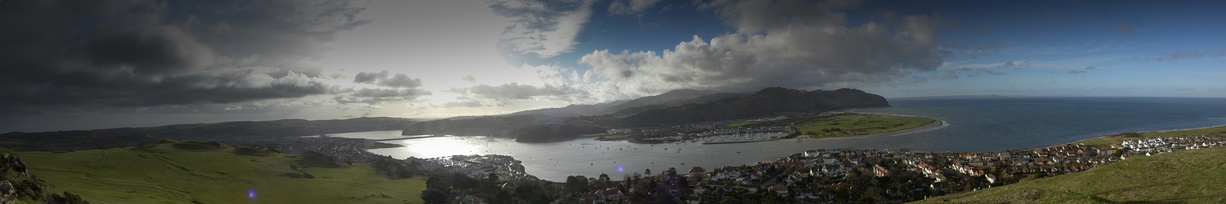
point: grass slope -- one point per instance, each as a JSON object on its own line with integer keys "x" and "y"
{"x": 184, "y": 172}
{"x": 1192, "y": 176}
{"x": 859, "y": 124}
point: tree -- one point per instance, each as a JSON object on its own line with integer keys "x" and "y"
{"x": 532, "y": 193}
{"x": 647, "y": 172}
{"x": 461, "y": 181}
{"x": 434, "y": 195}
{"x": 604, "y": 181}
{"x": 502, "y": 197}
{"x": 577, "y": 184}
{"x": 492, "y": 177}
{"x": 729, "y": 199}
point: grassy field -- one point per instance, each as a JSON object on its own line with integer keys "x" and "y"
{"x": 859, "y": 124}
{"x": 1192, "y": 176}
{"x": 1117, "y": 138}
{"x": 185, "y": 172}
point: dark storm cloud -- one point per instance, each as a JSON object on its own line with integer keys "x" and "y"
{"x": 781, "y": 43}
{"x": 379, "y": 95}
{"x": 401, "y": 81}
{"x": 382, "y": 79}
{"x": 396, "y": 87}
{"x": 369, "y": 77}
{"x": 107, "y": 53}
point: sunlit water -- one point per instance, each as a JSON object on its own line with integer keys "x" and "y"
{"x": 973, "y": 125}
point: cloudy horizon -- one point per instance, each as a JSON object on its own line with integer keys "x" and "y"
{"x": 124, "y": 63}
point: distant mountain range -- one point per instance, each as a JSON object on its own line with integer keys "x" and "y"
{"x": 226, "y": 132}
{"x": 670, "y": 108}
{"x": 767, "y": 102}
{"x": 956, "y": 97}
{"x": 665, "y": 100}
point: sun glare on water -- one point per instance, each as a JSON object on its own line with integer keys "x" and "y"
{"x": 443, "y": 147}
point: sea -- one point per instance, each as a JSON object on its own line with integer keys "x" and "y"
{"x": 971, "y": 124}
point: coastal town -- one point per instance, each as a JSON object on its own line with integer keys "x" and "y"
{"x": 833, "y": 175}
{"x": 813, "y": 176}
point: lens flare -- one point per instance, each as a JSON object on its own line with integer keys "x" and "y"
{"x": 619, "y": 168}
{"x": 251, "y": 194}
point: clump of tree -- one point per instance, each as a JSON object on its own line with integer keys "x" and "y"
{"x": 446, "y": 187}
{"x": 395, "y": 169}
{"x": 553, "y": 132}
{"x": 317, "y": 159}
{"x": 1129, "y": 135}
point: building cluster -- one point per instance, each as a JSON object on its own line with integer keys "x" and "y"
{"x": 1152, "y": 146}
{"x": 741, "y": 134}
{"x": 347, "y": 149}
{"x": 478, "y": 166}
{"x": 695, "y": 132}
{"x": 812, "y": 175}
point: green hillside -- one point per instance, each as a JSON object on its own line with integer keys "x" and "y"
{"x": 860, "y": 124}
{"x": 206, "y": 172}
{"x": 1191, "y": 176}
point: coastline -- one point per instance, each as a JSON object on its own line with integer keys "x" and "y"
{"x": 936, "y": 124}
{"x": 1114, "y": 134}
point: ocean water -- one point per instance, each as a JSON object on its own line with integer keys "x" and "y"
{"x": 1018, "y": 123}
{"x": 972, "y": 125}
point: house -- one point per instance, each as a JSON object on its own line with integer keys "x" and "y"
{"x": 587, "y": 198}
{"x": 778, "y": 188}
{"x": 468, "y": 199}
{"x": 697, "y": 172}
{"x": 880, "y": 171}
{"x": 608, "y": 195}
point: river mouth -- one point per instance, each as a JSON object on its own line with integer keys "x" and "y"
{"x": 969, "y": 125}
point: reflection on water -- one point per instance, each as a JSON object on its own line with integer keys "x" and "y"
{"x": 974, "y": 125}
{"x": 432, "y": 147}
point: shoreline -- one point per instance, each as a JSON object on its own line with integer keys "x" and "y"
{"x": 1117, "y": 133}
{"x": 936, "y": 124}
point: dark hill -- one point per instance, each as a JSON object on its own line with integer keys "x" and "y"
{"x": 572, "y": 110}
{"x": 767, "y": 102}
{"x": 496, "y": 126}
{"x": 240, "y": 132}
{"x": 670, "y": 98}
{"x": 674, "y": 107}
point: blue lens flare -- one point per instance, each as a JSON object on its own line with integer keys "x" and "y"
{"x": 251, "y": 193}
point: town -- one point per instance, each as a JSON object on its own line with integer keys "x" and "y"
{"x": 821, "y": 175}
{"x": 834, "y": 175}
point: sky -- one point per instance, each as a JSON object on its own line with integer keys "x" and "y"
{"x": 131, "y": 63}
